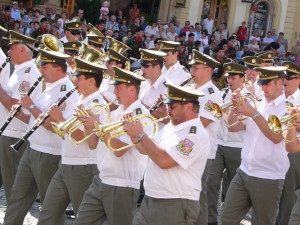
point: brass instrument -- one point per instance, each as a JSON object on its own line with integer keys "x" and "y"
{"x": 112, "y": 129}
{"x": 118, "y": 46}
{"x": 276, "y": 125}
{"x": 71, "y": 124}
{"x": 94, "y": 31}
{"x": 218, "y": 111}
{"x": 248, "y": 83}
{"x": 91, "y": 54}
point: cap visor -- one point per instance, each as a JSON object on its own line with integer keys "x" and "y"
{"x": 114, "y": 82}
{"x": 262, "y": 82}
{"x": 169, "y": 101}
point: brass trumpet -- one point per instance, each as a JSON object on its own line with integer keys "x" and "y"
{"x": 71, "y": 124}
{"x": 218, "y": 111}
{"x": 276, "y": 125}
{"x": 112, "y": 129}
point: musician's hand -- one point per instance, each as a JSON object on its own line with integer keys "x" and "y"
{"x": 133, "y": 129}
{"x": 244, "y": 109}
{"x": 89, "y": 121}
{"x": 251, "y": 88}
{"x": 296, "y": 120}
{"x": 25, "y": 101}
{"x": 55, "y": 114}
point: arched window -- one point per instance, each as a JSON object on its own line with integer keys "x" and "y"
{"x": 261, "y": 17}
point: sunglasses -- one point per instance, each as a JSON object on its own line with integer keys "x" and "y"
{"x": 291, "y": 78}
{"x": 75, "y": 32}
{"x": 146, "y": 65}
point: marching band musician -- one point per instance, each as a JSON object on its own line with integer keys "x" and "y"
{"x": 40, "y": 160}
{"x": 177, "y": 160}
{"x": 292, "y": 178}
{"x": 172, "y": 70}
{"x": 107, "y": 90}
{"x": 202, "y": 70}
{"x": 294, "y": 147}
{"x": 72, "y": 31}
{"x": 151, "y": 89}
{"x": 96, "y": 42}
{"x": 113, "y": 194}
{"x": 71, "y": 48}
{"x": 259, "y": 180}
{"x": 11, "y": 88}
{"x": 228, "y": 154}
{"x": 78, "y": 164}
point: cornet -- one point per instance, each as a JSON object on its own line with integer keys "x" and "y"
{"x": 71, "y": 125}
{"x": 112, "y": 129}
{"x": 218, "y": 111}
{"x": 276, "y": 125}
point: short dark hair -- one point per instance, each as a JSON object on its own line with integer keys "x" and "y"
{"x": 100, "y": 22}
{"x": 157, "y": 62}
{"x": 63, "y": 66}
{"x": 137, "y": 87}
{"x": 231, "y": 38}
{"x": 97, "y": 76}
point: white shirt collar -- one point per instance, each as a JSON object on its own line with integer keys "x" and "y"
{"x": 90, "y": 97}
{"x": 50, "y": 86}
{"x": 294, "y": 95}
{"x": 22, "y": 65}
{"x": 132, "y": 107}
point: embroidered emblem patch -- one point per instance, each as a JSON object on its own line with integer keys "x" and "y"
{"x": 24, "y": 86}
{"x": 95, "y": 101}
{"x": 211, "y": 91}
{"x": 185, "y": 146}
{"x": 63, "y": 87}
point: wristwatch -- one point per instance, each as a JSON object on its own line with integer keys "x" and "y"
{"x": 257, "y": 114}
{"x": 31, "y": 107}
{"x": 139, "y": 137}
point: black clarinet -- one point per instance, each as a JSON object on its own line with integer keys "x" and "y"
{"x": 162, "y": 101}
{"x": 39, "y": 122}
{"x": 4, "y": 64}
{"x": 17, "y": 107}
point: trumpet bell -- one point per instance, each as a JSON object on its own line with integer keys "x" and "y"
{"x": 274, "y": 124}
{"x": 94, "y": 31}
{"x": 118, "y": 46}
{"x": 91, "y": 54}
{"x": 215, "y": 110}
{"x": 52, "y": 43}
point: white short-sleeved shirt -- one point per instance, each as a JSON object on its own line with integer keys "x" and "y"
{"x": 260, "y": 156}
{"x": 149, "y": 93}
{"x": 177, "y": 74}
{"x": 212, "y": 94}
{"x": 127, "y": 170}
{"x": 107, "y": 90}
{"x": 81, "y": 154}
{"x": 43, "y": 140}
{"x": 64, "y": 39}
{"x": 23, "y": 77}
{"x": 190, "y": 150}
{"x": 208, "y": 25}
{"x": 226, "y": 138}
{"x": 294, "y": 98}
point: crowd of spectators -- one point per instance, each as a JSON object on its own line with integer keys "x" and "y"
{"x": 203, "y": 36}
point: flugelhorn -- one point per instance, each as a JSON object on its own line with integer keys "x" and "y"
{"x": 276, "y": 123}
{"x": 71, "y": 125}
{"x": 219, "y": 111}
{"x": 113, "y": 129}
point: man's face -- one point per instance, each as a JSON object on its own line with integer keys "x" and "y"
{"x": 176, "y": 112}
{"x": 209, "y": 16}
{"x": 53, "y": 11}
{"x": 197, "y": 71}
{"x": 269, "y": 34}
{"x": 272, "y": 89}
{"x": 187, "y": 24}
{"x": 48, "y": 11}
{"x": 47, "y": 70}
{"x": 291, "y": 83}
{"x": 148, "y": 70}
{"x": 80, "y": 14}
{"x": 15, "y": 51}
{"x": 231, "y": 42}
{"x": 121, "y": 91}
{"x": 7, "y": 12}
{"x": 273, "y": 31}
{"x": 105, "y": 16}
{"x": 225, "y": 47}
{"x": 220, "y": 54}
{"x": 170, "y": 58}
{"x": 81, "y": 83}
{"x": 251, "y": 75}
{"x": 44, "y": 24}
{"x": 140, "y": 33}
{"x": 235, "y": 82}
{"x": 191, "y": 39}
{"x": 15, "y": 6}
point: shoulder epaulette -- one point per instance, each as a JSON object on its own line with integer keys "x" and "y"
{"x": 288, "y": 105}
{"x": 63, "y": 87}
{"x": 95, "y": 101}
{"x": 28, "y": 70}
{"x": 193, "y": 130}
{"x": 211, "y": 90}
{"x": 185, "y": 69}
{"x": 138, "y": 111}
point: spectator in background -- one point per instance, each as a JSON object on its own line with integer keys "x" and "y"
{"x": 191, "y": 30}
{"x": 80, "y": 15}
{"x": 183, "y": 55}
{"x": 181, "y": 37}
{"x": 123, "y": 28}
{"x": 134, "y": 13}
{"x": 247, "y": 51}
{"x": 21, "y": 8}
{"x": 281, "y": 49}
{"x": 150, "y": 30}
{"x": 230, "y": 52}
{"x": 190, "y": 44}
{"x": 156, "y": 43}
{"x": 225, "y": 31}
{"x": 172, "y": 34}
{"x": 186, "y": 27}
{"x": 15, "y": 12}
{"x": 129, "y": 35}
{"x": 241, "y": 33}
{"x": 178, "y": 27}
{"x": 152, "y": 39}
{"x": 29, "y": 17}
{"x": 204, "y": 38}
{"x": 135, "y": 25}
{"x": 116, "y": 35}
{"x": 208, "y": 24}
{"x": 53, "y": 31}
{"x": 237, "y": 51}
{"x": 158, "y": 22}
{"x": 54, "y": 17}
{"x": 145, "y": 43}
{"x": 143, "y": 23}
{"x": 112, "y": 24}
{"x": 100, "y": 25}
{"x": 104, "y": 17}
{"x": 17, "y": 26}
{"x": 220, "y": 34}
{"x": 104, "y": 8}
{"x": 274, "y": 35}
{"x": 119, "y": 17}
{"x": 209, "y": 50}
{"x": 297, "y": 59}
{"x": 255, "y": 35}
{"x": 63, "y": 20}
{"x": 48, "y": 13}
{"x": 43, "y": 28}
{"x": 284, "y": 42}
{"x": 198, "y": 31}
{"x": 253, "y": 44}
{"x": 296, "y": 48}
{"x": 38, "y": 16}
{"x": 30, "y": 29}
{"x": 109, "y": 33}
{"x": 288, "y": 57}
{"x": 160, "y": 32}
{"x": 135, "y": 43}
{"x": 23, "y": 27}
{"x": 267, "y": 40}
